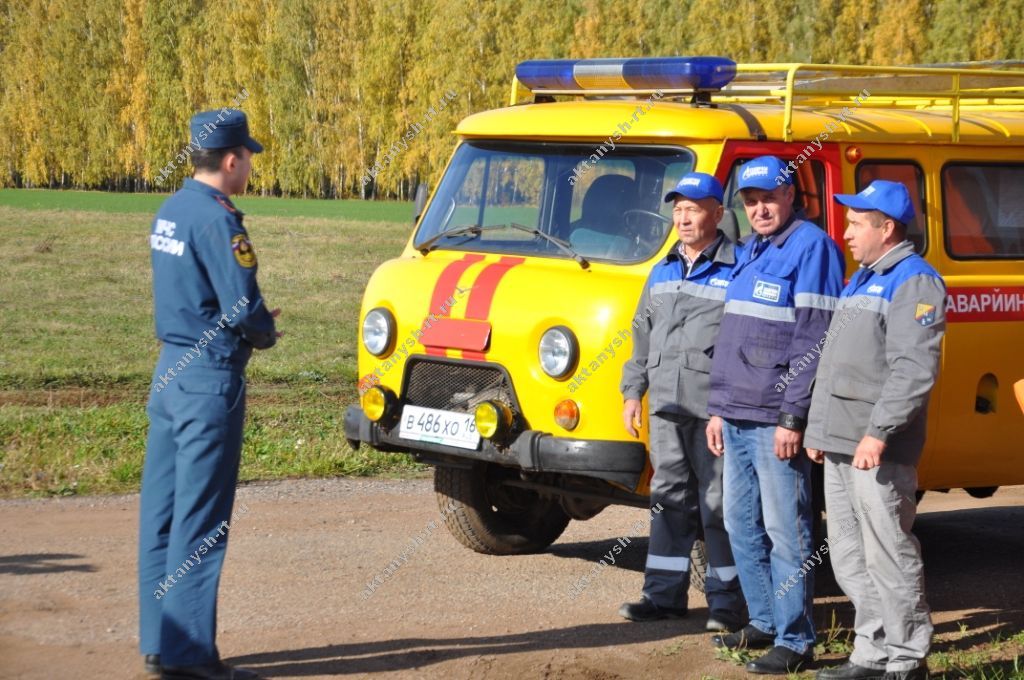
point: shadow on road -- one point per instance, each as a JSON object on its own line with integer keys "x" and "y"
{"x": 41, "y": 563}
{"x": 973, "y": 562}
{"x": 631, "y": 557}
{"x": 409, "y": 653}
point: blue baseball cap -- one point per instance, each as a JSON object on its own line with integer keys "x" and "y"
{"x": 765, "y": 173}
{"x": 891, "y": 198}
{"x": 695, "y": 186}
{"x": 223, "y": 129}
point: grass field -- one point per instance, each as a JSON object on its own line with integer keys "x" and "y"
{"x": 79, "y": 347}
{"x": 100, "y": 201}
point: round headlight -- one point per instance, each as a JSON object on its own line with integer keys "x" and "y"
{"x": 378, "y": 331}
{"x": 558, "y": 351}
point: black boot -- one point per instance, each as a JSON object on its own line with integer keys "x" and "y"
{"x": 645, "y": 610}
{"x": 151, "y": 664}
{"x": 779, "y": 661}
{"x": 748, "y": 637}
{"x": 215, "y": 670}
{"x": 849, "y": 671}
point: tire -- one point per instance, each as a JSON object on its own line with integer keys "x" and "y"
{"x": 493, "y": 518}
{"x": 698, "y": 565}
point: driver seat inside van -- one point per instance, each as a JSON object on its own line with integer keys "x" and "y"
{"x": 599, "y": 230}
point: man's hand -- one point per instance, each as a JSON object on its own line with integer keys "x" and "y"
{"x": 632, "y": 411}
{"x": 869, "y": 453}
{"x": 276, "y": 313}
{"x": 787, "y": 442}
{"x": 816, "y": 455}
{"x": 716, "y": 444}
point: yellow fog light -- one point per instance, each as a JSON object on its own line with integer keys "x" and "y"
{"x": 493, "y": 419}
{"x": 375, "y": 403}
{"x": 567, "y": 414}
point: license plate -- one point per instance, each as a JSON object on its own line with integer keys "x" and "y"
{"x": 440, "y": 427}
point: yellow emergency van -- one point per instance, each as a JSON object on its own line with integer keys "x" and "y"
{"x": 492, "y": 347}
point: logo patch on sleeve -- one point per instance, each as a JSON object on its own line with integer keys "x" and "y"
{"x": 243, "y": 250}
{"x": 925, "y": 314}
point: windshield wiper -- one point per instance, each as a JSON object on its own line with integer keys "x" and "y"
{"x": 429, "y": 244}
{"x": 562, "y": 245}
{"x": 476, "y": 230}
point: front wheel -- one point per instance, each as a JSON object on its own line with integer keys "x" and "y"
{"x": 491, "y": 517}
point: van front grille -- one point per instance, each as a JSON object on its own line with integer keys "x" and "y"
{"x": 455, "y": 386}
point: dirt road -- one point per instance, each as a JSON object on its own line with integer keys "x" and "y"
{"x": 293, "y": 605}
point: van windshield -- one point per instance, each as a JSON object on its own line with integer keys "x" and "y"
{"x": 601, "y": 204}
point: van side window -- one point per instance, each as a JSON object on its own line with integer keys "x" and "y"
{"x": 983, "y": 210}
{"x": 810, "y": 201}
{"x": 911, "y": 176}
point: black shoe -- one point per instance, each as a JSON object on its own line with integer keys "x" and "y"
{"x": 779, "y": 661}
{"x": 919, "y": 673}
{"x": 849, "y": 671}
{"x": 722, "y": 624}
{"x": 645, "y": 610}
{"x": 215, "y": 670}
{"x": 151, "y": 664}
{"x": 748, "y": 637}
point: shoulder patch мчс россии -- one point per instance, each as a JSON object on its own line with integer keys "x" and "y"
{"x": 243, "y": 250}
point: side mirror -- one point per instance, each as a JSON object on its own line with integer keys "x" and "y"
{"x": 420, "y": 202}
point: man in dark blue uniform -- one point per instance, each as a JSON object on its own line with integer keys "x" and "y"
{"x": 210, "y": 316}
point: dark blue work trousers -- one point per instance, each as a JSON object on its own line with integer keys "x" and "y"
{"x": 188, "y": 489}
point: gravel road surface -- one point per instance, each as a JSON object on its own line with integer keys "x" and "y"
{"x": 292, "y": 599}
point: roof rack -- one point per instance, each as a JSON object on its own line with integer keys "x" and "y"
{"x": 941, "y": 87}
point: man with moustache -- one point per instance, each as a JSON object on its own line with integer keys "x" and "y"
{"x": 670, "y": 363}
{"x": 778, "y": 305}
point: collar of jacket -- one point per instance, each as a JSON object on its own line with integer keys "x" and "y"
{"x": 193, "y": 184}
{"x": 724, "y": 250}
{"x": 892, "y": 257}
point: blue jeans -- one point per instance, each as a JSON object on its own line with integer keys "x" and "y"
{"x": 768, "y": 517}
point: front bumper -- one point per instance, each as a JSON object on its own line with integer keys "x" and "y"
{"x": 619, "y": 462}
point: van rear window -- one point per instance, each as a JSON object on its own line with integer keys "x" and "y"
{"x": 983, "y": 210}
{"x": 494, "y": 193}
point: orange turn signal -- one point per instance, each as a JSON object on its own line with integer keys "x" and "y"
{"x": 567, "y": 414}
{"x": 853, "y": 154}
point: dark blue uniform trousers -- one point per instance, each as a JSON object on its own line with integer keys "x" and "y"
{"x": 687, "y": 482}
{"x": 188, "y": 489}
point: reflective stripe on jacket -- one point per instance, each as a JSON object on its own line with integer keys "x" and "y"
{"x": 778, "y": 306}
{"x": 672, "y": 347}
{"x": 881, "y": 358}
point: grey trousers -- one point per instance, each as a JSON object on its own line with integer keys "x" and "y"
{"x": 687, "y": 483}
{"x": 877, "y": 560}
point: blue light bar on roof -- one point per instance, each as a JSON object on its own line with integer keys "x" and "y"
{"x": 654, "y": 73}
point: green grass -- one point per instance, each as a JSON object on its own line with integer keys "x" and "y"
{"x": 1000, "y": 656}
{"x": 266, "y": 206}
{"x": 79, "y": 347}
